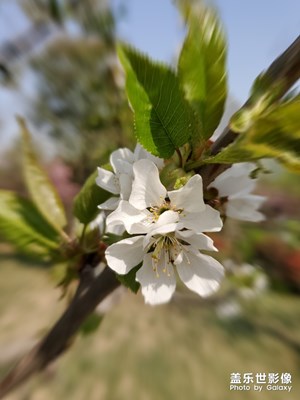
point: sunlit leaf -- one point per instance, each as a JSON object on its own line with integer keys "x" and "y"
{"x": 163, "y": 118}
{"x": 41, "y": 190}
{"x": 244, "y": 118}
{"x": 202, "y": 68}
{"x": 275, "y": 134}
{"x": 264, "y": 86}
{"x": 22, "y": 225}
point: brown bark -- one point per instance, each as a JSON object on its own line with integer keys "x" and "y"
{"x": 90, "y": 293}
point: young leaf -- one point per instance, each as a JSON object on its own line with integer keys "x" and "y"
{"x": 41, "y": 190}
{"x": 22, "y": 225}
{"x": 91, "y": 324}
{"x": 163, "y": 118}
{"x": 275, "y": 134}
{"x": 202, "y": 68}
{"x": 129, "y": 281}
{"x": 87, "y": 201}
{"x": 244, "y": 118}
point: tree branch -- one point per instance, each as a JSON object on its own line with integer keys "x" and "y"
{"x": 60, "y": 336}
{"x": 282, "y": 74}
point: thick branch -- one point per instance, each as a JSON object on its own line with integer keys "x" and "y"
{"x": 60, "y": 336}
{"x": 282, "y": 74}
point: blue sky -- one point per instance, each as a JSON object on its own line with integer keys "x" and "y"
{"x": 257, "y": 31}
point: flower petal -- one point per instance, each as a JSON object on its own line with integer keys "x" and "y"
{"x": 147, "y": 190}
{"x": 207, "y": 221}
{"x": 157, "y": 288}
{"x": 121, "y": 160}
{"x": 245, "y": 207}
{"x": 110, "y": 204}
{"x": 162, "y": 230}
{"x": 166, "y": 223}
{"x": 168, "y": 217}
{"x": 135, "y": 221}
{"x": 125, "y": 186}
{"x": 190, "y": 196}
{"x": 198, "y": 241}
{"x": 140, "y": 153}
{"x": 235, "y": 180}
{"x": 108, "y": 181}
{"x": 98, "y": 222}
{"x": 115, "y": 229}
{"x": 200, "y": 273}
{"x": 125, "y": 254}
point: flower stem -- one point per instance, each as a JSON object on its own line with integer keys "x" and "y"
{"x": 180, "y": 158}
{"x": 83, "y": 233}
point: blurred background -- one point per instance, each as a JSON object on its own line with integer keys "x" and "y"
{"x": 58, "y": 69}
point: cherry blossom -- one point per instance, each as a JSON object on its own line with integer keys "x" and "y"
{"x": 119, "y": 181}
{"x": 235, "y": 189}
{"x": 169, "y": 228}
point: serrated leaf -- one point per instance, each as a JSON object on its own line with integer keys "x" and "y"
{"x": 275, "y": 134}
{"x": 202, "y": 68}
{"x": 163, "y": 118}
{"x": 87, "y": 200}
{"x": 41, "y": 190}
{"x": 22, "y": 225}
{"x": 129, "y": 281}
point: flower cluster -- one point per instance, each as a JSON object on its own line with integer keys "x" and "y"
{"x": 167, "y": 228}
{"x": 168, "y": 234}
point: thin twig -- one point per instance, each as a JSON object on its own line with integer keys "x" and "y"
{"x": 179, "y": 157}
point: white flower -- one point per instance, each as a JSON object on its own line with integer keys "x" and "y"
{"x": 119, "y": 182}
{"x": 235, "y": 187}
{"x": 169, "y": 228}
{"x": 100, "y": 223}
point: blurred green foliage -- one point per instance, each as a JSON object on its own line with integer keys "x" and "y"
{"x": 80, "y": 102}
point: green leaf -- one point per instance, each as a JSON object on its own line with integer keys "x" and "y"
{"x": 275, "y": 134}
{"x": 244, "y": 118}
{"x": 234, "y": 153}
{"x": 264, "y": 86}
{"x": 87, "y": 201}
{"x": 111, "y": 238}
{"x": 91, "y": 324}
{"x": 202, "y": 68}
{"x": 163, "y": 118}
{"x": 22, "y": 225}
{"x": 41, "y": 190}
{"x": 55, "y": 11}
{"x": 129, "y": 281}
